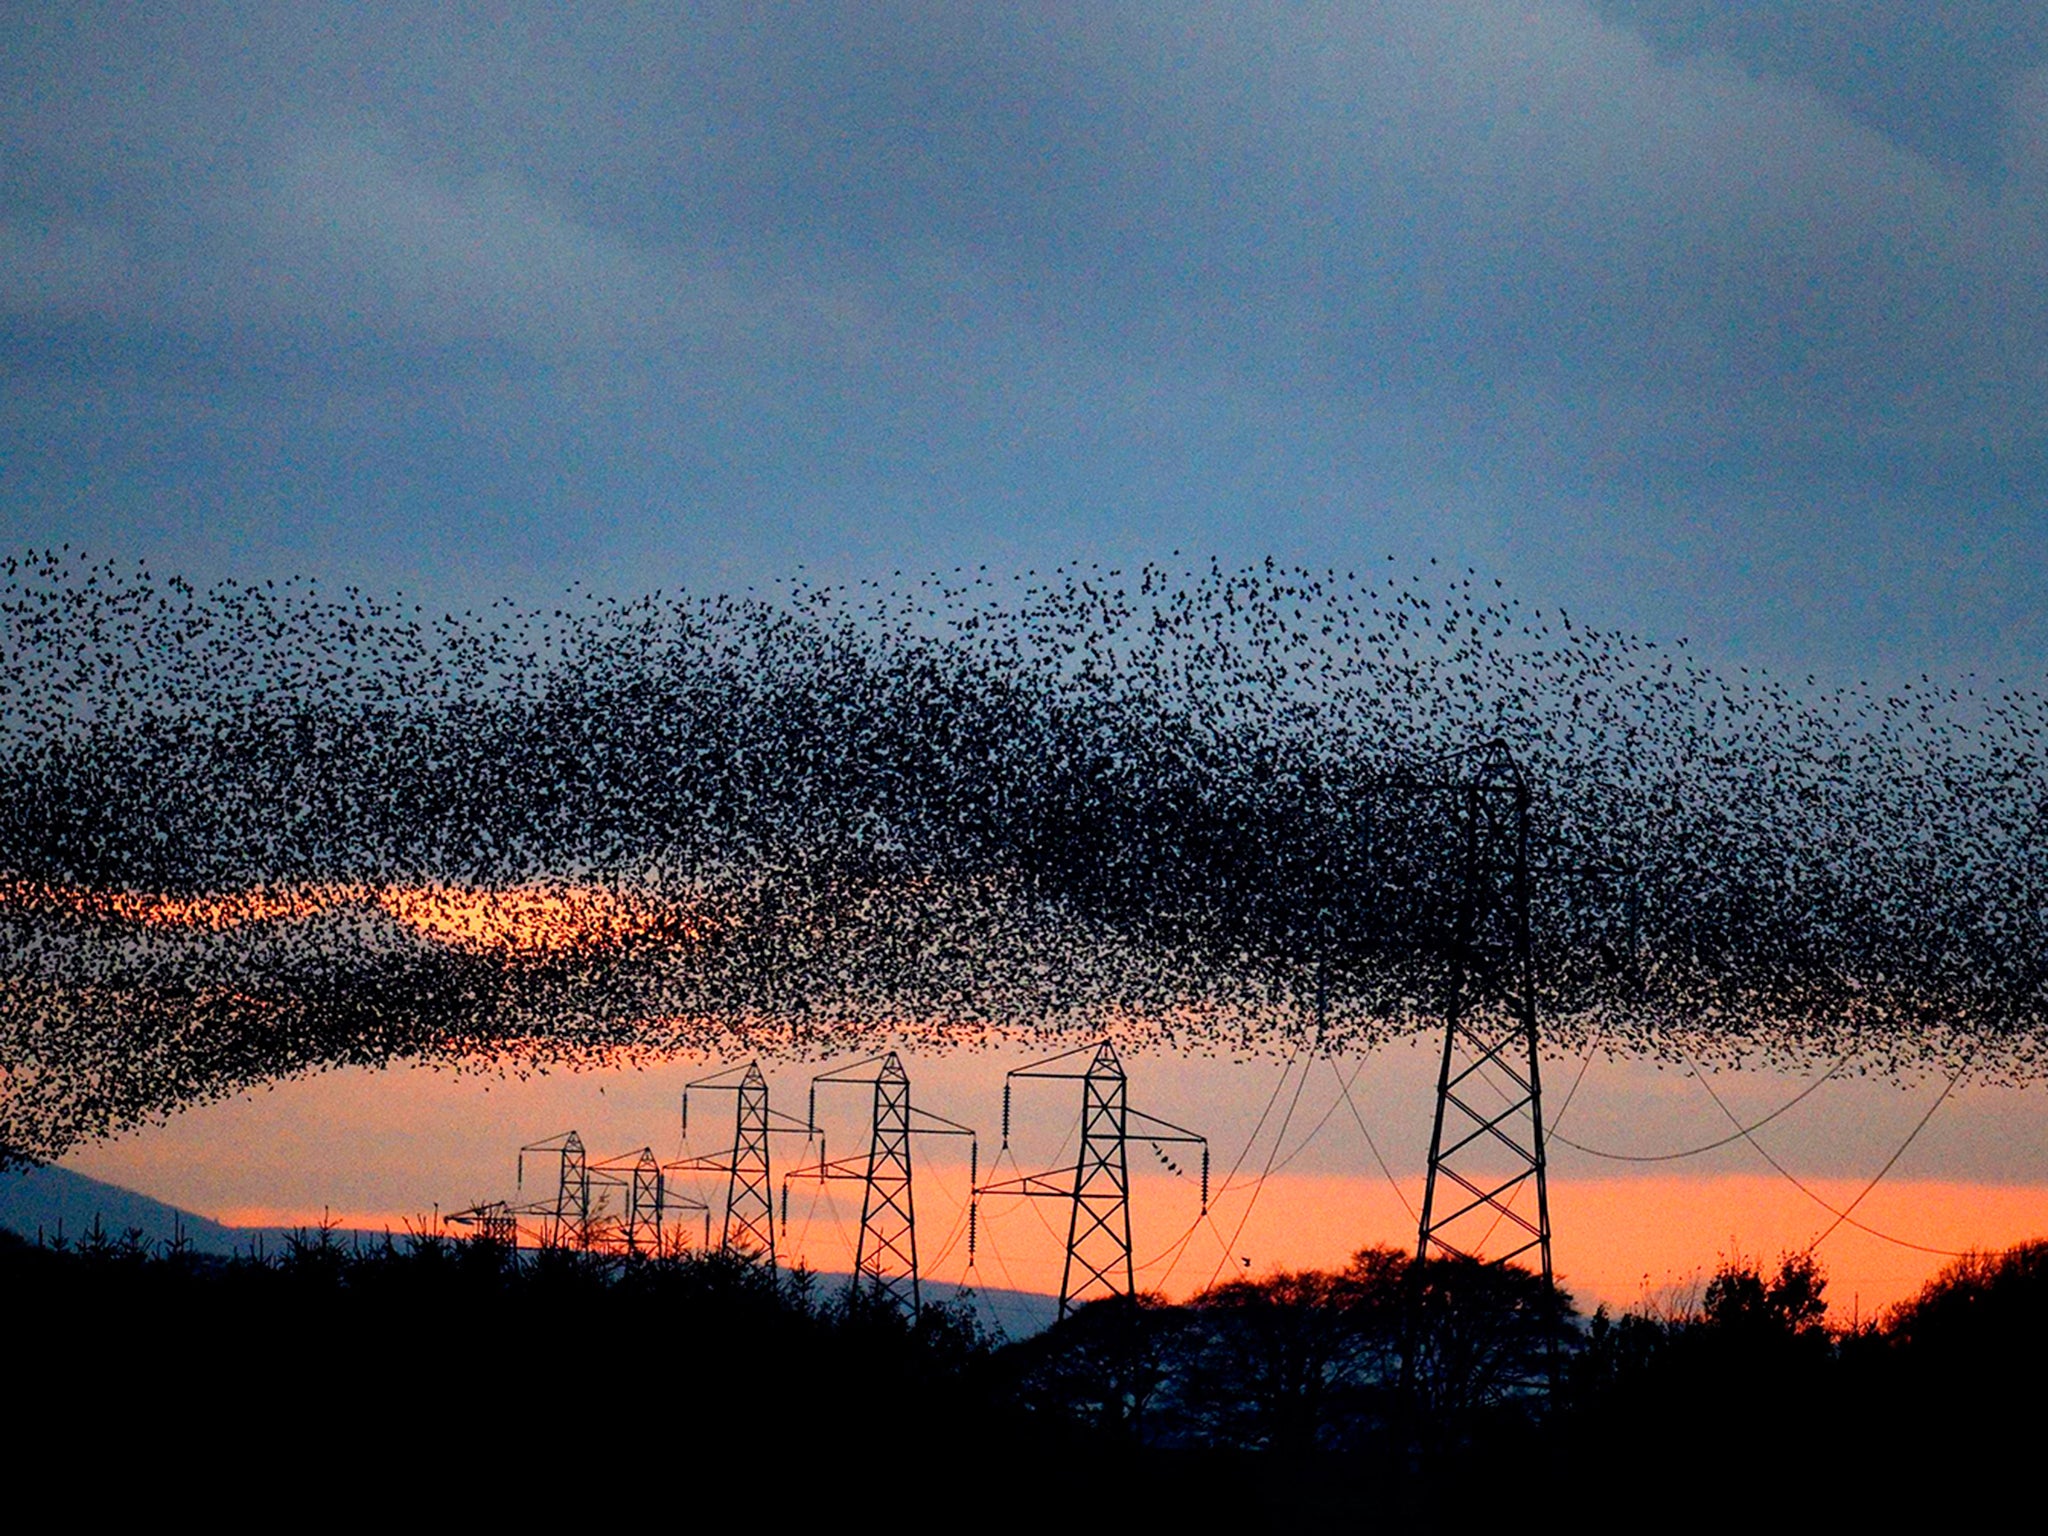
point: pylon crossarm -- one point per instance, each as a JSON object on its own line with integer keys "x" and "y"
{"x": 837, "y": 1168}
{"x": 1484, "y": 1127}
{"x": 721, "y": 1162}
{"x": 625, "y": 1162}
{"x": 1039, "y": 1185}
{"x": 839, "y": 1074}
{"x": 548, "y": 1212}
{"x": 944, "y": 1127}
{"x": 1167, "y": 1130}
{"x": 1036, "y": 1068}
{"x": 704, "y": 1162}
{"x": 555, "y": 1143}
{"x": 1494, "y": 750}
{"x": 564, "y": 1142}
{"x": 711, "y": 1080}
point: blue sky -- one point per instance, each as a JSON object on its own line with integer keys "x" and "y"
{"x": 1721, "y": 321}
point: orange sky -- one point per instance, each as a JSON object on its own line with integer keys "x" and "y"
{"x": 522, "y": 920}
{"x": 380, "y": 1148}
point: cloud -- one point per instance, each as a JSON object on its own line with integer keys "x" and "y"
{"x": 1553, "y": 259}
{"x": 2026, "y": 130}
{"x": 60, "y": 266}
{"x": 351, "y": 233}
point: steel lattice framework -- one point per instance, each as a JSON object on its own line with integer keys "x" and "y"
{"x": 1098, "y": 1259}
{"x": 749, "y": 1203}
{"x": 638, "y": 1177}
{"x": 1486, "y": 1153}
{"x": 565, "y": 1221}
{"x": 885, "y": 1258}
{"x": 492, "y": 1222}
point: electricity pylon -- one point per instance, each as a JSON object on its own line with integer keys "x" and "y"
{"x": 494, "y": 1221}
{"x": 639, "y": 1177}
{"x": 1486, "y": 1147}
{"x": 886, "y": 1256}
{"x": 749, "y": 1206}
{"x": 1098, "y": 1261}
{"x": 565, "y": 1222}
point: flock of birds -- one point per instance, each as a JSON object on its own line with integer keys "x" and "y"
{"x": 266, "y": 829}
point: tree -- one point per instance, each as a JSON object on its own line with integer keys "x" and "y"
{"x": 1286, "y": 1363}
{"x": 1980, "y": 1304}
{"x": 1103, "y": 1365}
{"x": 1479, "y": 1337}
{"x": 1792, "y": 1305}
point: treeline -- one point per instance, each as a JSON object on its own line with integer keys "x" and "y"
{"x": 569, "y": 1381}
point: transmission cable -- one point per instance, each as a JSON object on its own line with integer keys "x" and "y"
{"x": 1393, "y": 1183}
{"x": 1272, "y": 1098}
{"x": 1344, "y": 1098}
{"x": 1260, "y": 1184}
{"x": 1736, "y": 1135}
{"x": 1793, "y": 1179}
{"x": 1887, "y": 1168}
{"x": 1585, "y": 1065}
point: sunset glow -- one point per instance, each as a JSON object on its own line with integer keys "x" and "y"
{"x": 516, "y": 922}
{"x": 380, "y": 1150}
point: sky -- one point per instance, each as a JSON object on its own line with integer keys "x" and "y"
{"x": 1721, "y": 322}
{"x": 1303, "y": 1173}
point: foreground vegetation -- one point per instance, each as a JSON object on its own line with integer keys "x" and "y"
{"x": 576, "y": 1382}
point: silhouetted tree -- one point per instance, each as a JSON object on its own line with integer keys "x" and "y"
{"x": 1104, "y": 1365}
{"x": 1290, "y": 1362}
{"x": 1478, "y": 1338}
{"x": 1791, "y": 1305}
{"x": 1979, "y": 1305}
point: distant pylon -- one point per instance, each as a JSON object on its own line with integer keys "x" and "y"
{"x": 644, "y": 1204}
{"x": 1486, "y": 1148}
{"x": 749, "y": 1204}
{"x": 638, "y": 1176}
{"x": 565, "y": 1223}
{"x": 492, "y": 1221}
{"x": 885, "y": 1258}
{"x": 1098, "y": 1260}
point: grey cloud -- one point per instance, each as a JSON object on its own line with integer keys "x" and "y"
{"x": 1929, "y": 74}
{"x": 2024, "y": 136}
{"x": 61, "y": 266}
{"x": 349, "y": 227}
{"x": 1249, "y": 258}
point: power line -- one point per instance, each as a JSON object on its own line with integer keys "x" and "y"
{"x": 1392, "y": 1182}
{"x": 1887, "y": 1168}
{"x": 1832, "y": 1210}
{"x": 1733, "y": 1136}
{"x": 1259, "y": 1186}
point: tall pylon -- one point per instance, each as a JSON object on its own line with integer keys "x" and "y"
{"x": 749, "y": 1203}
{"x": 565, "y": 1221}
{"x": 1098, "y": 1186}
{"x": 1486, "y": 1148}
{"x": 885, "y": 1258}
{"x": 638, "y": 1177}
